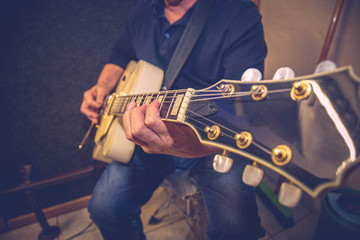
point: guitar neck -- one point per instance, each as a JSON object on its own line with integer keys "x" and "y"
{"x": 170, "y": 102}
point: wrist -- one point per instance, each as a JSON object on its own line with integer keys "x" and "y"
{"x": 109, "y": 77}
{"x": 104, "y": 86}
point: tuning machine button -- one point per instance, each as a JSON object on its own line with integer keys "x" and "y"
{"x": 284, "y": 73}
{"x": 251, "y": 75}
{"x": 252, "y": 174}
{"x": 222, "y": 163}
{"x": 325, "y": 66}
{"x": 289, "y": 195}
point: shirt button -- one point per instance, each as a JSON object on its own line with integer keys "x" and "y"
{"x": 167, "y": 35}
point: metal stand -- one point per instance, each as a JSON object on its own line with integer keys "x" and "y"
{"x": 48, "y": 232}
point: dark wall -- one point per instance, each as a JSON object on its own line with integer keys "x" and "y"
{"x": 50, "y": 53}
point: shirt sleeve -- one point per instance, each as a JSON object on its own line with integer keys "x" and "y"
{"x": 245, "y": 47}
{"x": 123, "y": 51}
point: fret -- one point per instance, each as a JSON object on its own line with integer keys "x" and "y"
{"x": 139, "y": 100}
{"x": 168, "y": 108}
{"x": 157, "y": 97}
{"x": 133, "y": 98}
{"x": 152, "y": 98}
{"x": 175, "y": 108}
{"x": 160, "y": 99}
{"x": 163, "y": 105}
{"x": 147, "y": 100}
{"x": 172, "y": 104}
{"x": 124, "y": 104}
{"x": 120, "y": 103}
{"x": 114, "y": 105}
{"x": 172, "y": 100}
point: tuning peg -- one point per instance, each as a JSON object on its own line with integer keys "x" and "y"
{"x": 289, "y": 195}
{"x": 222, "y": 163}
{"x": 252, "y": 175}
{"x": 325, "y": 66}
{"x": 284, "y": 73}
{"x": 251, "y": 75}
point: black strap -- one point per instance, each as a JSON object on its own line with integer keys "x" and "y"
{"x": 187, "y": 41}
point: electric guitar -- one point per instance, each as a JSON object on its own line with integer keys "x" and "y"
{"x": 306, "y": 129}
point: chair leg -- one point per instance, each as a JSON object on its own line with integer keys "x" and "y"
{"x": 193, "y": 217}
{"x": 154, "y": 219}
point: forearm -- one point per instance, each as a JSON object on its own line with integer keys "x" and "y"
{"x": 94, "y": 97}
{"x": 110, "y": 76}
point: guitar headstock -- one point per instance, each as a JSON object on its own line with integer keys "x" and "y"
{"x": 307, "y": 129}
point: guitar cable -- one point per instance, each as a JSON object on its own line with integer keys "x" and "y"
{"x": 81, "y": 232}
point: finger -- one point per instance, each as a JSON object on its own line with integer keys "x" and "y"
{"x": 90, "y": 99}
{"x": 128, "y": 126}
{"x": 89, "y": 112}
{"x": 127, "y": 120}
{"x": 154, "y": 121}
{"x": 139, "y": 128}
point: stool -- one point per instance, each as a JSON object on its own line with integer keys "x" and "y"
{"x": 183, "y": 187}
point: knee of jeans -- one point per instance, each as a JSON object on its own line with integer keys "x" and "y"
{"x": 105, "y": 211}
{"x": 98, "y": 212}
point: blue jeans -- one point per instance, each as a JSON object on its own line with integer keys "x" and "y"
{"x": 124, "y": 188}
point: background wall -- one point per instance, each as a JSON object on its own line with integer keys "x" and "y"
{"x": 51, "y": 51}
{"x": 295, "y": 32}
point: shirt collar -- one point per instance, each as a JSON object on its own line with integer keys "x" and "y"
{"x": 158, "y": 8}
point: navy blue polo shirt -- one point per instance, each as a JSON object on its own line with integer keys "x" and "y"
{"x": 232, "y": 41}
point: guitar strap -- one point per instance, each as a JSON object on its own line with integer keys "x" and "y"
{"x": 187, "y": 41}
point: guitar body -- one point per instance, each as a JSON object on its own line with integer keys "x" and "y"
{"x": 110, "y": 139}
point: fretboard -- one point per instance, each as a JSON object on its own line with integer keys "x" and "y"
{"x": 170, "y": 102}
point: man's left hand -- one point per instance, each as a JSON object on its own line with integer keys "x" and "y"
{"x": 144, "y": 127}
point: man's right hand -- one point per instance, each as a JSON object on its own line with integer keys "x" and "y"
{"x": 94, "y": 97}
{"x": 93, "y": 100}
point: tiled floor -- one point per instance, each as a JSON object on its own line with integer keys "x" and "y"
{"x": 175, "y": 227}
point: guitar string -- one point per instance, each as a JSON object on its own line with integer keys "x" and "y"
{"x": 203, "y": 123}
{"x": 223, "y": 127}
{"x": 186, "y": 90}
{"x": 120, "y": 100}
{"x": 214, "y": 94}
{"x": 220, "y": 95}
{"x": 202, "y": 98}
